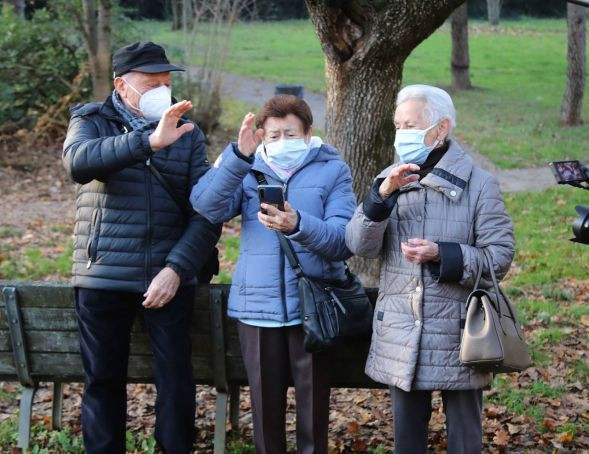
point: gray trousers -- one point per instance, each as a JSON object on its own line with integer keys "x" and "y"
{"x": 412, "y": 411}
{"x": 272, "y": 356}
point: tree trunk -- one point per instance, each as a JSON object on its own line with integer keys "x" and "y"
{"x": 365, "y": 45}
{"x": 494, "y": 11}
{"x": 176, "y": 6}
{"x": 18, "y": 5}
{"x": 366, "y": 96}
{"x": 97, "y": 35}
{"x": 572, "y": 103}
{"x": 460, "y": 56}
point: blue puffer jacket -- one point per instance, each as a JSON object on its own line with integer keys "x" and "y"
{"x": 264, "y": 286}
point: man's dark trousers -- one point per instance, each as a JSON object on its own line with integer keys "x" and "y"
{"x": 105, "y": 319}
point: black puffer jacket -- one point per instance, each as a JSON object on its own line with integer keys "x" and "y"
{"x": 127, "y": 225}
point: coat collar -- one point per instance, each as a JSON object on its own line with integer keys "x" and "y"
{"x": 452, "y": 174}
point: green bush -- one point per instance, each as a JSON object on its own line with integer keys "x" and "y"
{"x": 40, "y": 57}
{"x": 38, "y": 60}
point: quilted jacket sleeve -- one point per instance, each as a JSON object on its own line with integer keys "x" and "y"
{"x": 194, "y": 247}
{"x": 87, "y": 156}
{"x": 365, "y": 237}
{"x": 493, "y": 230}
{"x": 326, "y": 237}
{"x": 217, "y": 196}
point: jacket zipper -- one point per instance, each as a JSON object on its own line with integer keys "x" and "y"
{"x": 148, "y": 239}
{"x": 282, "y": 257}
{"x": 92, "y": 248}
{"x": 282, "y": 271}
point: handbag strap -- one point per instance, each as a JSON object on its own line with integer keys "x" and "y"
{"x": 498, "y": 290}
{"x": 285, "y": 243}
{"x": 481, "y": 261}
{"x": 175, "y": 197}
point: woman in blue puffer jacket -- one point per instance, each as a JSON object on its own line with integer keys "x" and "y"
{"x": 264, "y": 297}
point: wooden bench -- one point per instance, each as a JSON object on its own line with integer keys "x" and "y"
{"x": 39, "y": 342}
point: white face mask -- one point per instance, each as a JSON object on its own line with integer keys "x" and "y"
{"x": 154, "y": 102}
{"x": 287, "y": 153}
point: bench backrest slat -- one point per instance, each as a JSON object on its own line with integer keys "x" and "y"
{"x": 51, "y": 332}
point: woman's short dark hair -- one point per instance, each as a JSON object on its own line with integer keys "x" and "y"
{"x": 280, "y": 106}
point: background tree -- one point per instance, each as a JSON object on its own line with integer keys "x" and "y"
{"x": 494, "y": 11}
{"x": 572, "y": 103}
{"x": 18, "y": 5}
{"x": 176, "y": 9}
{"x": 365, "y": 45}
{"x": 94, "y": 20}
{"x": 460, "y": 60}
{"x": 207, "y": 26}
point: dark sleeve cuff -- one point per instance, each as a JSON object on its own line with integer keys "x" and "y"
{"x": 297, "y": 227}
{"x": 375, "y": 208}
{"x": 182, "y": 274}
{"x": 449, "y": 268}
{"x": 240, "y": 155}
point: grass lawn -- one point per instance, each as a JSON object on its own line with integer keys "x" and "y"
{"x": 518, "y": 69}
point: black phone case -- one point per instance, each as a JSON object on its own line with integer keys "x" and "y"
{"x": 272, "y": 195}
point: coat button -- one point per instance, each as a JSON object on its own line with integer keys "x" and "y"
{"x": 453, "y": 193}
{"x": 418, "y": 323}
{"x": 419, "y": 218}
{"x": 418, "y": 289}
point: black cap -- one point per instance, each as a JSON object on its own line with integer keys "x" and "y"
{"x": 143, "y": 57}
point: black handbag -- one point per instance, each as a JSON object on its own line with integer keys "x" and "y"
{"x": 492, "y": 340}
{"x": 331, "y": 310}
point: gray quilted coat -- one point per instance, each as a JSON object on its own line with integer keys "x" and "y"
{"x": 418, "y": 317}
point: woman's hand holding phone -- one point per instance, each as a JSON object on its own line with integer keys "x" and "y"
{"x": 283, "y": 221}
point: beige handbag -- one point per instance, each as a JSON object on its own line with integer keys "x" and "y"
{"x": 492, "y": 340}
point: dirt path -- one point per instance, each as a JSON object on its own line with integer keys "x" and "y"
{"x": 256, "y": 91}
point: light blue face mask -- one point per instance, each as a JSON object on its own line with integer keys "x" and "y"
{"x": 410, "y": 145}
{"x": 287, "y": 153}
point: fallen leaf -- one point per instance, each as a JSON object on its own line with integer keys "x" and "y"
{"x": 353, "y": 427}
{"x": 501, "y": 438}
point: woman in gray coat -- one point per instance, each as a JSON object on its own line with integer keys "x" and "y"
{"x": 429, "y": 218}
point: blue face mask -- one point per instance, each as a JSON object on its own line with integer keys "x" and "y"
{"x": 410, "y": 145}
{"x": 287, "y": 153}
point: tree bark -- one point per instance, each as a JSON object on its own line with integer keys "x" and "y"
{"x": 18, "y": 5}
{"x": 365, "y": 45}
{"x": 96, "y": 26}
{"x": 572, "y": 103}
{"x": 460, "y": 61}
{"x": 494, "y": 11}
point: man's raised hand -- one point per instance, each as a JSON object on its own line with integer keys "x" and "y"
{"x": 167, "y": 131}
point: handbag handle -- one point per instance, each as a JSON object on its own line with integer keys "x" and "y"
{"x": 285, "y": 243}
{"x": 499, "y": 292}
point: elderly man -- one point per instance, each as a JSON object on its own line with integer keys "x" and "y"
{"x": 138, "y": 248}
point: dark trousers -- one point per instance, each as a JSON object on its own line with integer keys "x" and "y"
{"x": 105, "y": 319}
{"x": 412, "y": 411}
{"x": 271, "y": 357}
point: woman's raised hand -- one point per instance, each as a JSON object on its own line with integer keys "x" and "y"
{"x": 397, "y": 179}
{"x": 248, "y": 140}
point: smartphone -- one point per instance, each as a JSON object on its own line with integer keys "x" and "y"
{"x": 272, "y": 194}
{"x": 568, "y": 171}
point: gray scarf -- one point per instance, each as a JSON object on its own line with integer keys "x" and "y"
{"x": 134, "y": 120}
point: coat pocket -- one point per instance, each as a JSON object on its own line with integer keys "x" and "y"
{"x": 93, "y": 237}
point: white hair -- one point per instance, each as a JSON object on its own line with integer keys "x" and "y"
{"x": 438, "y": 103}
